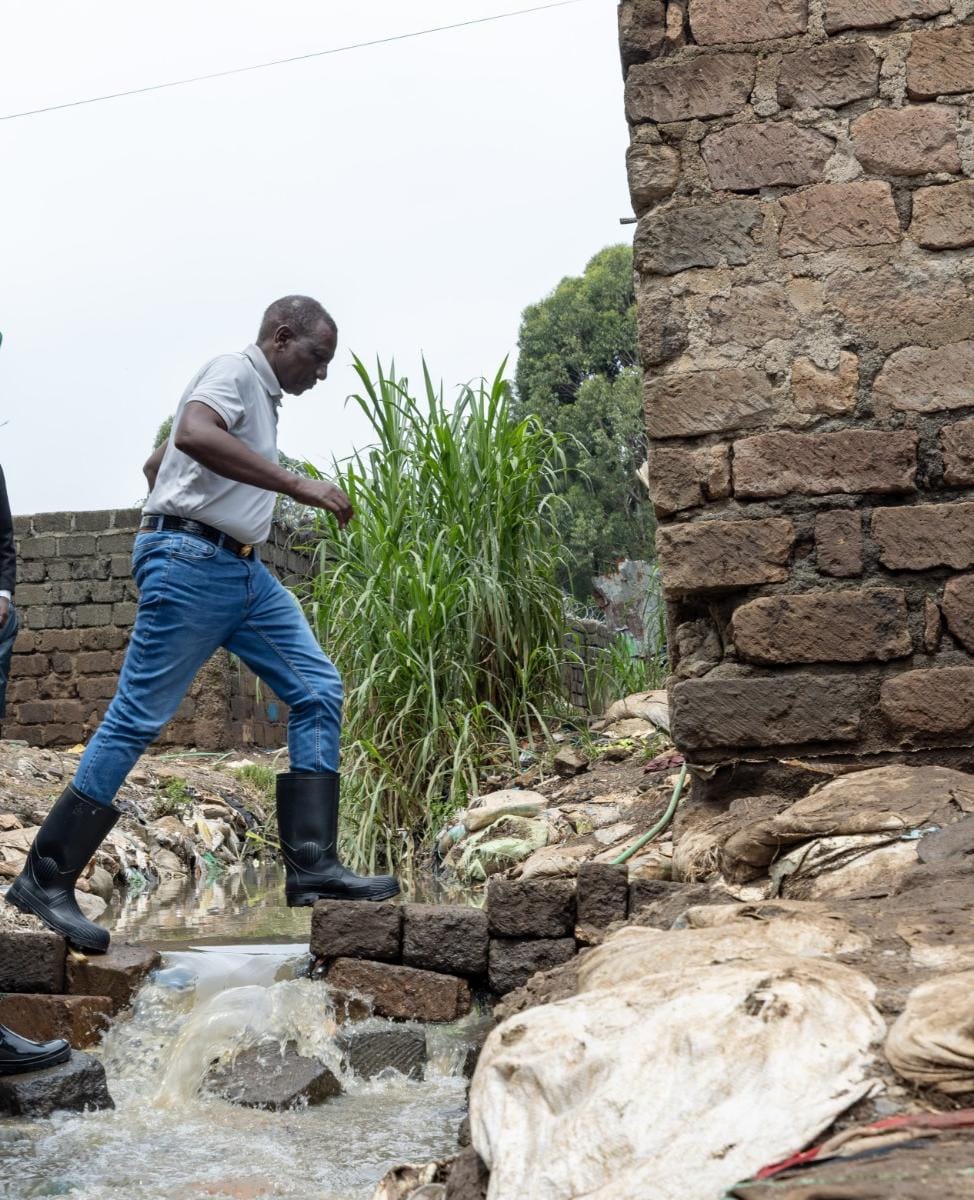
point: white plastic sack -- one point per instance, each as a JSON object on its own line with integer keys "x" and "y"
{"x": 931, "y": 1043}
{"x": 669, "y": 1076}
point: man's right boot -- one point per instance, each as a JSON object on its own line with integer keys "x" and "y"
{"x": 18, "y": 1055}
{"x": 72, "y": 832}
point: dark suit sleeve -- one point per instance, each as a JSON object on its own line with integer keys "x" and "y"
{"x": 8, "y": 555}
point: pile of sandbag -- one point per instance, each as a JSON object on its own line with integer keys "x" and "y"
{"x": 687, "y": 1060}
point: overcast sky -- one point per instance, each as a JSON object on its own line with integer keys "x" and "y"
{"x": 425, "y": 191}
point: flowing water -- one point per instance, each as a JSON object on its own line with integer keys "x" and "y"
{"x": 168, "y": 1138}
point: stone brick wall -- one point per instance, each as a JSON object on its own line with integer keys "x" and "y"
{"x": 802, "y": 174}
{"x": 76, "y": 602}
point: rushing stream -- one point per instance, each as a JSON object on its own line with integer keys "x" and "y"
{"x": 168, "y": 1139}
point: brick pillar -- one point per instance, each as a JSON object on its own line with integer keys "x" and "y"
{"x": 801, "y": 170}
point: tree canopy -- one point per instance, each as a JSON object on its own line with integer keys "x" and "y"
{"x": 577, "y": 371}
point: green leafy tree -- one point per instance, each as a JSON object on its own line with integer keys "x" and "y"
{"x": 577, "y": 371}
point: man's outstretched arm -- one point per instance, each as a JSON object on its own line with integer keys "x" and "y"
{"x": 203, "y": 435}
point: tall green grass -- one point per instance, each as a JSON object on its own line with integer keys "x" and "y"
{"x": 439, "y": 603}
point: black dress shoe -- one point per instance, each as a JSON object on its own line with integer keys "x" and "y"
{"x": 18, "y": 1055}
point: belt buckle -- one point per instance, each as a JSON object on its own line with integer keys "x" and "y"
{"x": 245, "y": 551}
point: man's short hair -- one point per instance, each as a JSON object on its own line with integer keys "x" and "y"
{"x": 301, "y": 314}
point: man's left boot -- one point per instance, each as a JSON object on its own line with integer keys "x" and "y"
{"x": 18, "y": 1055}
{"x": 307, "y": 820}
{"x": 72, "y": 831}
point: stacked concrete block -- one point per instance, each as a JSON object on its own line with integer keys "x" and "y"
{"x": 77, "y": 601}
{"x": 803, "y": 174}
{"x": 45, "y": 993}
{"x": 532, "y": 928}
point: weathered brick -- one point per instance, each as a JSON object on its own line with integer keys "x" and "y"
{"x": 94, "y": 662}
{"x": 59, "y": 639}
{"x": 54, "y": 522}
{"x": 752, "y": 315}
{"x": 817, "y": 464}
{"x": 958, "y": 609}
{"x": 920, "y": 536}
{"x": 76, "y": 545}
{"x": 115, "y": 543}
{"x": 92, "y": 614}
{"x": 864, "y": 625}
{"x": 44, "y": 616}
{"x": 941, "y": 62}
{"x": 73, "y": 591}
{"x": 917, "y": 379}
{"x": 838, "y": 542}
{"x": 100, "y": 688}
{"x": 937, "y": 701}
{"x": 91, "y": 522}
{"x": 530, "y": 908}
{"x": 402, "y": 993}
{"x": 716, "y": 22}
{"x": 830, "y": 216}
{"x": 718, "y": 555}
{"x": 661, "y": 324}
{"x": 33, "y": 665}
{"x": 869, "y": 14}
{"x": 356, "y": 929}
{"x": 38, "y": 547}
{"x": 778, "y": 153}
{"x": 683, "y": 91}
{"x": 42, "y": 712}
{"x": 450, "y": 938}
{"x": 50, "y": 735}
{"x": 513, "y": 962}
{"x": 80, "y": 1019}
{"x": 653, "y": 171}
{"x": 31, "y": 961}
{"x": 62, "y": 663}
{"x": 686, "y": 404}
{"x": 907, "y": 141}
{"x": 126, "y": 518}
{"x": 642, "y": 27}
{"x": 932, "y": 625}
{"x": 828, "y": 76}
{"x": 34, "y": 593}
{"x": 602, "y": 893}
{"x": 943, "y": 217}
{"x": 124, "y": 613}
{"x": 703, "y": 235}
{"x": 681, "y": 478}
{"x": 904, "y": 303}
{"x": 957, "y": 446}
{"x": 117, "y": 975}
{"x": 709, "y": 714}
{"x": 820, "y": 391}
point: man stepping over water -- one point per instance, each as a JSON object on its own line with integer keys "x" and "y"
{"x": 202, "y": 586}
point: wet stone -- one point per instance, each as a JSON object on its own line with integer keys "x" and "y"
{"x": 74, "y": 1086}
{"x": 401, "y": 993}
{"x": 513, "y": 961}
{"x": 536, "y": 908}
{"x": 468, "y": 1177}
{"x": 80, "y": 1019}
{"x": 262, "y": 1077}
{"x": 448, "y": 938}
{"x": 369, "y": 1052}
{"x": 356, "y": 929}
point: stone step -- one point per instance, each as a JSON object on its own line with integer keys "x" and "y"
{"x": 75, "y": 1085}
{"x": 80, "y": 1019}
{"x": 31, "y": 961}
{"x": 118, "y": 974}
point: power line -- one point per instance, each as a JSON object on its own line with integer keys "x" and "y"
{"x": 278, "y": 62}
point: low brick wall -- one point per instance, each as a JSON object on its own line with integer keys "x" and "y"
{"x": 76, "y": 601}
{"x": 425, "y": 962}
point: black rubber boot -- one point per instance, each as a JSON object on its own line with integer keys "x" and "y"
{"x": 72, "y": 832}
{"x": 307, "y": 820}
{"x": 18, "y": 1055}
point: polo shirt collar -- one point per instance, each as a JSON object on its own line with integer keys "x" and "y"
{"x": 265, "y": 371}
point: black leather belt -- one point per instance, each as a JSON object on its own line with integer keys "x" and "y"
{"x": 158, "y": 521}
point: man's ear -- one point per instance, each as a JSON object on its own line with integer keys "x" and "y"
{"x": 283, "y": 335}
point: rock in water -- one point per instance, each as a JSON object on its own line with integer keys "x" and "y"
{"x": 74, "y": 1085}
{"x": 263, "y": 1077}
{"x": 371, "y": 1051}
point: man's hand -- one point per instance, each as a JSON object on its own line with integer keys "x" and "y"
{"x": 4, "y": 610}
{"x": 318, "y": 493}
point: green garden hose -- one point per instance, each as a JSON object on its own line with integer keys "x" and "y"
{"x": 660, "y": 825}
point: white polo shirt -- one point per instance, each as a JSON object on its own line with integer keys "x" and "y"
{"x": 244, "y": 390}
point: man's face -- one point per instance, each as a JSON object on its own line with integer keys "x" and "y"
{"x": 301, "y": 360}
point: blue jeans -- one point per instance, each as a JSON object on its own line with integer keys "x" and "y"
{"x": 193, "y": 598}
{"x": 8, "y": 635}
